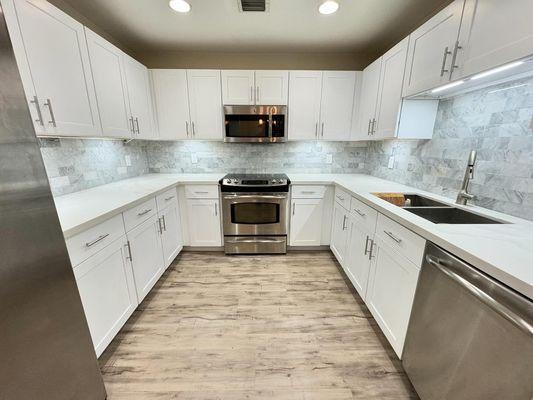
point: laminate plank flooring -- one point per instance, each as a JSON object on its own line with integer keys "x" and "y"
{"x": 253, "y": 327}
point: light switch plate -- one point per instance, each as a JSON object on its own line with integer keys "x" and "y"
{"x": 194, "y": 158}
{"x": 127, "y": 159}
{"x": 329, "y": 158}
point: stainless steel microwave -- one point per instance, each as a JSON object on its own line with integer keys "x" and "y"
{"x": 263, "y": 124}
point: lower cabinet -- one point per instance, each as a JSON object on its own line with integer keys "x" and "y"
{"x": 107, "y": 290}
{"x": 146, "y": 255}
{"x": 171, "y": 238}
{"x": 391, "y": 290}
{"x": 339, "y": 232}
{"x": 358, "y": 255}
{"x": 306, "y": 222}
{"x": 204, "y": 222}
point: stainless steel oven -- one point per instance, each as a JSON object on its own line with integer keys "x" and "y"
{"x": 263, "y": 124}
{"x": 255, "y": 213}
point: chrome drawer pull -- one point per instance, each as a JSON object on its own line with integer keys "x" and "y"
{"x": 362, "y": 214}
{"x": 340, "y": 198}
{"x": 169, "y": 198}
{"x": 393, "y": 237}
{"x": 144, "y": 212}
{"x": 98, "y": 239}
{"x": 307, "y": 192}
{"x": 128, "y": 257}
{"x": 197, "y": 192}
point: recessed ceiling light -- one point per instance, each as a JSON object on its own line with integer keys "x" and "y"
{"x": 328, "y": 7}
{"x": 496, "y": 70}
{"x": 448, "y": 86}
{"x": 180, "y": 6}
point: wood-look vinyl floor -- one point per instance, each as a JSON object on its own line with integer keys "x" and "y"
{"x": 253, "y": 327}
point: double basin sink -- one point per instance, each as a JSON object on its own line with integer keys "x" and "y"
{"x": 435, "y": 211}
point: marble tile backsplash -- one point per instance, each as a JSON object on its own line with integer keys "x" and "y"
{"x": 498, "y": 123}
{"x": 78, "y": 164}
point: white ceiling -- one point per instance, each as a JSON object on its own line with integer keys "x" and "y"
{"x": 290, "y": 26}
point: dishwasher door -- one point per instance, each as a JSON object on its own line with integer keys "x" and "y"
{"x": 469, "y": 337}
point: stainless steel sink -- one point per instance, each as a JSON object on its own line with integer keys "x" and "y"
{"x": 451, "y": 215}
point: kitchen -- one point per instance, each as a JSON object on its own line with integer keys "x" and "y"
{"x": 338, "y": 206}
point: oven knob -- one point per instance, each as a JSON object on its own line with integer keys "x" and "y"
{"x": 235, "y": 181}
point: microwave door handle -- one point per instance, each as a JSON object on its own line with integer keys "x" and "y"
{"x": 270, "y": 124}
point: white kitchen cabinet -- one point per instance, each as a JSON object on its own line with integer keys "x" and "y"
{"x": 171, "y": 238}
{"x": 205, "y": 103}
{"x": 431, "y": 49}
{"x": 110, "y": 84}
{"x": 171, "y": 100}
{"x": 493, "y": 33}
{"x": 139, "y": 96}
{"x": 204, "y": 222}
{"x": 306, "y": 222}
{"x": 107, "y": 290}
{"x": 238, "y": 87}
{"x": 336, "y": 108}
{"x": 52, "y": 56}
{"x": 305, "y": 94}
{"x": 146, "y": 255}
{"x": 339, "y": 232}
{"x": 368, "y": 99}
{"x": 390, "y": 293}
{"x": 358, "y": 253}
{"x": 272, "y": 87}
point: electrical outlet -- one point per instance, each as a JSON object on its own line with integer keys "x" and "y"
{"x": 329, "y": 158}
{"x": 194, "y": 158}
{"x": 391, "y": 162}
{"x": 127, "y": 159}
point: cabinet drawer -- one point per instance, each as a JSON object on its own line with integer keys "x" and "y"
{"x": 342, "y": 197}
{"x": 165, "y": 199}
{"x": 201, "y": 191}
{"x": 83, "y": 245}
{"x": 366, "y": 214}
{"x": 408, "y": 243}
{"x": 308, "y": 191}
{"x": 134, "y": 216}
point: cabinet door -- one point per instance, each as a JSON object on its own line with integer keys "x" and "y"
{"x": 205, "y": 102}
{"x": 272, "y": 87}
{"x": 139, "y": 98}
{"x": 146, "y": 255}
{"x": 339, "y": 231}
{"x": 358, "y": 256}
{"x": 337, "y": 103}
{"x": 204, "y": 222}
{"x": 107, "y": 291}
{"x": 493, "y": 33}
{"x": 238, "y": 87}
{"x": 305, "y": 91}
{"x": 171, "y": 238}
{"x": 369, "y": 96}
{"x": 306, "y": 222}
{"x": 430, "y": 50}
{"x": 171, "y": 103}
{"x": 110, "y": 85}
{"x": 390, "y": 293}
{"x": 52, "y": 51}
{"x": 390, "y": 90}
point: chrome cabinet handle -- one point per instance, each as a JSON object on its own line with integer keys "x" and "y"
{"x": 444, "y": 57}
{"x": 216, "y": 209}
{"x": 366, "y": 244}
{"x": 373, "y": 126}
{"x": 293, "y": 208}
{"x": 98, "y": 239}
{"x": 39, "y": 113}
{"x": 482, "y": 296}
{"x": 187, "y": 127}
{"x": 128, "y": 257}
{"x": 193, "y": 129}
{"x": 362, "y": 214}
{"x": 454, "y": 58}
{"x": 137, "y": 123}
{"x": 322, "y": 129}
{"x": 316, "y": 130}
{"x": 393, "y": 237}
{"x": 368, "y": 128}
{"x": 160, "y": 226}
{"x": 48, "y": 104}
{"x": 251, "y": 94}
{"x": 144, "y": 212}
{"x": 164, "y": 223}
{"x": 257, "y": 94}
{"x": 132, "y": 124}
{"x": 371, "y": 249}
{"x": 344, "y": 223}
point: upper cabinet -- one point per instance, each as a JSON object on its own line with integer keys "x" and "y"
{"x": 368, "y": 100}
{"x": 245, "y": 87}
{"x": 139, "y": 98}
{"x": 305, "y": 96}
{"x": 51, "y": 53}
{"x": 205, "y": 103}
{"x": 432, "y": 48}
{"x": 171, "y": 99}
{"x": 110, "y": 85}
{"x": 493, "y": 33}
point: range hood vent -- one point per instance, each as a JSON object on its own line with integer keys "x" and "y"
{"x": 253, "y": 5}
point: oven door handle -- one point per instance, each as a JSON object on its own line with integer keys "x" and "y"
{"x": 253, "y": 240}
{"x": 269, "y": 197}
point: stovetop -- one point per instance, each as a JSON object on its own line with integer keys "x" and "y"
{"x": 255, "y": 183}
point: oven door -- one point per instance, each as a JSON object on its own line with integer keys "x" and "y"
{"x": 255, "y": 214}
{"x": 255, "y": 123}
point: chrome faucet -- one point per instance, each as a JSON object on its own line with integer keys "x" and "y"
{"x": 463, "y": 196}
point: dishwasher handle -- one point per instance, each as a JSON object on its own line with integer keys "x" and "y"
{"x": 481, "y": 295}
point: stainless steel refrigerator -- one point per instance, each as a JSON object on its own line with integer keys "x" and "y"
{"x": 45, "y": 346}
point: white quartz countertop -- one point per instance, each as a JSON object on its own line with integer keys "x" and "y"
{"x": 504, "y": 251}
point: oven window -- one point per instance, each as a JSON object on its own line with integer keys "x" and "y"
{"x": 247, "y": 126}
{"x": 255, "y": 213}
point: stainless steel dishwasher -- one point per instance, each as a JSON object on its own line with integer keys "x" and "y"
{"x": 469, "y": 336}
